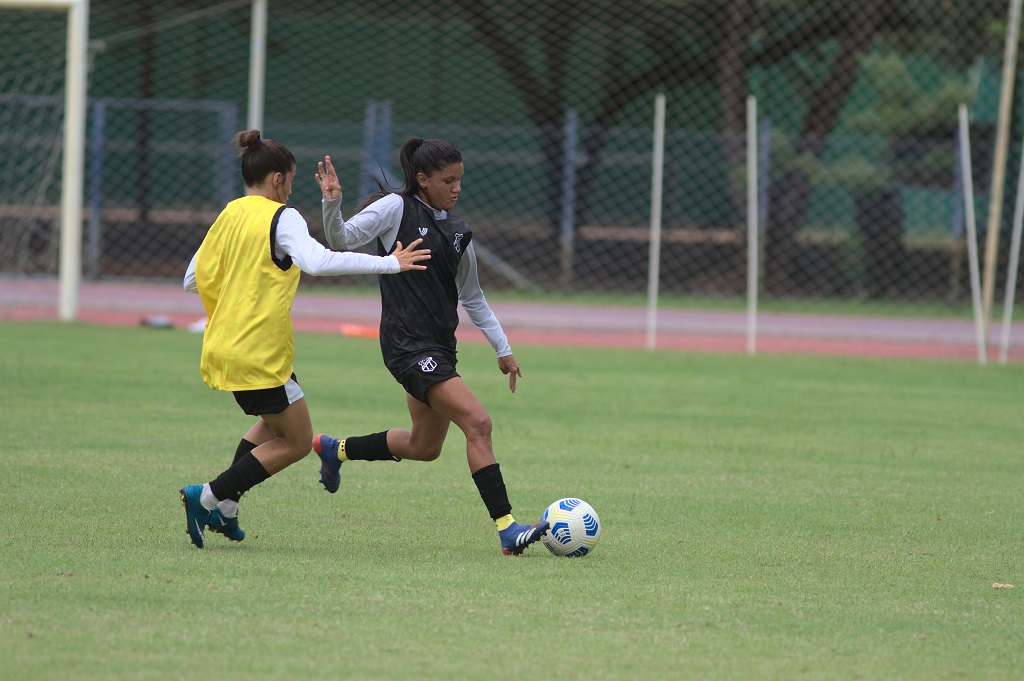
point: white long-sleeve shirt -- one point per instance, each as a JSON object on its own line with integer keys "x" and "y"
{"x": 309, "y": 255}
{"x": 381, "y": 219}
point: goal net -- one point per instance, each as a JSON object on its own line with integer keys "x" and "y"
{"x": 126, "y": 195}
{"x": 31, "y": 121}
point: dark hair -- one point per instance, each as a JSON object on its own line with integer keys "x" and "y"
{"x": 418, "y": 156}
{"x": 261, "y": 157}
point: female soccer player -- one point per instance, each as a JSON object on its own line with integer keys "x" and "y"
{"x": 417, "y": 327}
{"x": 246, "y": 271}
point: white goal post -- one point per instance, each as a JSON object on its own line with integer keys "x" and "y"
{"x": 70, "y": 269}
{"x": 73, "y": 141}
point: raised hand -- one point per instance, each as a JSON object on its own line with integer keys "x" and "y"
{"x": 330, "y": 186}
{"x": 409, "y": 256}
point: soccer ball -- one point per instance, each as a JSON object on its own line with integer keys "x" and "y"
{"x": 575, "y": 527}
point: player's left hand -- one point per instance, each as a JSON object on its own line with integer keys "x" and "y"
{"x": 510, "y": 367}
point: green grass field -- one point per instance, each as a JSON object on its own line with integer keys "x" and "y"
{"x": 764, "y": 518}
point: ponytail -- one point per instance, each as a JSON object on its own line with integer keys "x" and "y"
{"x": 427, "y": 157}
{"x": 417, "y": 156}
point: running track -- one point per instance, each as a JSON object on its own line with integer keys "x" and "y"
{"x": 129, "y": 303}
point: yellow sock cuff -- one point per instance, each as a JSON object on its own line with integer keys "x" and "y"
{"x": 341, "y": 451}
{"x": 504, "y": 521}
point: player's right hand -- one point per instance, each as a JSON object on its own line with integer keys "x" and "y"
{"x": 409, "y": 256}
{"x": 330, "y": 185}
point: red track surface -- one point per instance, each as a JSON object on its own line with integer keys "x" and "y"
{"x": 129, "y": 303}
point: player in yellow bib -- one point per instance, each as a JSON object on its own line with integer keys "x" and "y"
{"x": 246, "y": 271}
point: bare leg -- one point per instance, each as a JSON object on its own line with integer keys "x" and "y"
{"x": 453, "y": 400}
{"x": 424, "y": 441}
{"x": 260, "y": 432}
{"x": 450, "y": 401}
{"x": 292, "y": 437}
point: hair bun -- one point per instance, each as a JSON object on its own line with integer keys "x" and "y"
{"x": 247, "y": 139}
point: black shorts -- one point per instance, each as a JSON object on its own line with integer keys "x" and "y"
{"x": 433, "y": 367}
{"x": 269, "y": 400}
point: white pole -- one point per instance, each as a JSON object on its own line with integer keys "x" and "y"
{"x": 999, "y": 159}
{"x": 972, "y": 238}
{"x": 752, "y": 225}
{"x": 72, "y": 182}
{"x": 257, "y": 63}
{"x": 572, "y": 122}
{"x": 69, "y": 269}
{"x": 1012, "y": 266}
{"x": 657, "y": 183}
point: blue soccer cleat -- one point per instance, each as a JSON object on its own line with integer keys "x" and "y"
{"x": 226, "y": 526}
{"x": 516, "y": 537}
{"x": 326, "y": 448}
{"x": 196, "y": 515}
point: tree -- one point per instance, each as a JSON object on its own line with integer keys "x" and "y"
{"x": 542, "y": 84}
{"x": 646, "y": 46}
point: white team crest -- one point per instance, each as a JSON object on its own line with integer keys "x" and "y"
{"x": 428, "y": 364}
{"x": 458, "y": 239}
{"x": 423, "y": 231}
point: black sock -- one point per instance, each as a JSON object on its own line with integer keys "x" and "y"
{"x": 242, "y": 476}
{"x": 372, "y": 447}
{"x": 244, "y": 447}
{"x": 492, "y": 490}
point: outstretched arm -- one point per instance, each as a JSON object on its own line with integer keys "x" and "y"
{"x": 310, "y": 256}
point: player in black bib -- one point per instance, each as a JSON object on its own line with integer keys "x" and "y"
{"x": 417, "y": 327}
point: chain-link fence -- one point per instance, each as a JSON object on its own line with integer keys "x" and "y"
{"x": 551, "y": 104}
